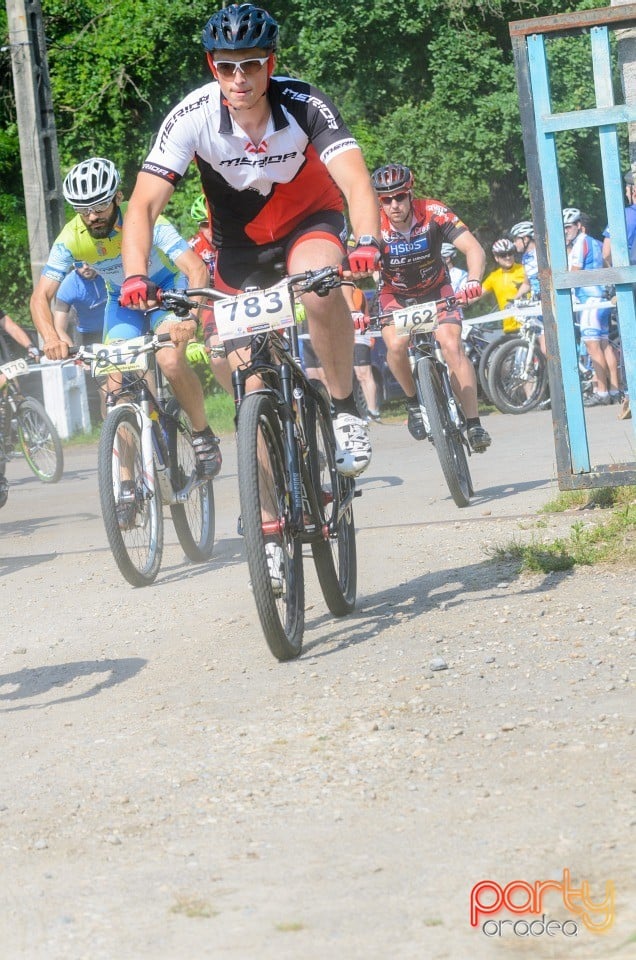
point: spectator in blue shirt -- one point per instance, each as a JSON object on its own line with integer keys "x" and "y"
{"x": 83, "y": 290}
{"x": 630, "y": 223}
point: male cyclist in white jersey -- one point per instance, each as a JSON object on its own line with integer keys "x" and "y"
{"x": 94, "y": 236}
{"x": 275, "y": 160}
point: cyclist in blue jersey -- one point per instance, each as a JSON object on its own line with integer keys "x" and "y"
{"x": 586, "y": 253}
{"x": 94, "y": 236}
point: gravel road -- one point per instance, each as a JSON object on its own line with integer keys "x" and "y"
{"x": 172, "y": 792}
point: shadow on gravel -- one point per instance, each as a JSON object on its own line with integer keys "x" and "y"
{"x": 486, "y": 494}
{"x": 68, "y": 475}
{"x": 27, "y": 527}
{"x": 227, "y": 553}
{"x": 39, "y": 681}
{"x": 440, "y": 590}
{"x": 378, "y": 483}
{"x": 17, "y": 564}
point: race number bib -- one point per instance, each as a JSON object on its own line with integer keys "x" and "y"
{"x": 14, "y": 368}
{"x": 124, "y": 356}
{"x": 420, "y": 318}
{"x": 254, "y": 312}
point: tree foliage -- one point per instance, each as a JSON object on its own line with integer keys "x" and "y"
{"x": 426, "y": 82}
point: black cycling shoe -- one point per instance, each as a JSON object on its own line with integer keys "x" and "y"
{"x": 207, "y": 453}
{"x": 479, "y": 439}
{"x": 4, "y": 491}
{"x": 415, "y": 423}
{"x": 126, "y": 508}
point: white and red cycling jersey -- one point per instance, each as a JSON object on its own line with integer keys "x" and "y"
{"x": 412, "y": 265}
{"x": 257, "y": 194}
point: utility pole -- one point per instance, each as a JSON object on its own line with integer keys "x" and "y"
{"x": 36, "y": 129}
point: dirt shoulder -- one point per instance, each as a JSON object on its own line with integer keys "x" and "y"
{"x": 171, "y": 792}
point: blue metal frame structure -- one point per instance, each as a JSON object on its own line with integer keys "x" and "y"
{"x": 540, "y": 126}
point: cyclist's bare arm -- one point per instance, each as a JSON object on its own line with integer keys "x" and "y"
{"x": 15, "y": 331}
{"x": 191, "y": 264}
{"x": 148, "y": 199}
{"x": 468, "y": 244}
{"x": 352, "y": 177}
{"x": 61, "y": 318}
{"x": 41, "y": 311}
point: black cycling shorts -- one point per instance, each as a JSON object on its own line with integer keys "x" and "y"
{"x": 238, "y": 267}
{"x": 361, "y": 355}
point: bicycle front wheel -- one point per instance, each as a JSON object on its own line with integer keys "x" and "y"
{"x": 516, "y": 385}
{"x": 194, "y": 519}
{"x": 132, "y": 514}
{"x": 335, "y": 558}
{"x": 39, "y": 441}
{"x": 485, "y": 363}
{"x": 274, "y": 553}
{"x": 446, "y": 437}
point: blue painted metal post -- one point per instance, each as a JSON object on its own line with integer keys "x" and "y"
{"x": 561, "y": 299}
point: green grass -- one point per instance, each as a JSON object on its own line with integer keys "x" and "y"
{"x": 602, "y": 497}
{"x": 219, "y": 408}
{"x": 613, "y": 539}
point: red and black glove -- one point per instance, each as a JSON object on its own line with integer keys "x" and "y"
{"x": 365, "y": 256}
{"x": 137, "y": 288}
{"x": 360, "y": 322}
{"x": 472, "y": 290}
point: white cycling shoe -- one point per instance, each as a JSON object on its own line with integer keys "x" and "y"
{"x": 353, "y": 444}
{"x": 275, "y": 566}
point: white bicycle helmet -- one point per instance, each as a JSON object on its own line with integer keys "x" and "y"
{"x": 522, "y": 229}
{"x": 448, "y": 250}
{"x": 571, "y": 215}
{"x": 501, "y": 247}
{"x": 91, "y": 181}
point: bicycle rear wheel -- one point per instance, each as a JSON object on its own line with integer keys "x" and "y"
{"x": 446, "y": 437}
{"x": 133, "y": 517}
{"x": 274, "y": 553}
{"x": 194, "y": 519}
{"x": 39, "y": 441}
{"x": 335, "y": 558}
{"x": 513, "y": 389}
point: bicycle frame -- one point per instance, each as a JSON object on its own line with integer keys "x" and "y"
{"x": 275, "y": 359}
{"x": 150, "y": 410}
{"x": 424, "y": 348}
{"x": 277, "y": 363}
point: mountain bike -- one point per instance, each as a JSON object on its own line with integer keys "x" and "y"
{"x": 145, "y": 460}
{"x": 289, "y": 489}
{"x": 443, "y": 417}
{"x": 25, "y": 426}
{"x": 517, "y": 371}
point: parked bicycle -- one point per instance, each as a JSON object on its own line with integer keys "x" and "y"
{"x": 517, "y": 373}
{"x": 145, "y": 461}
{"x": 443, "y": 417}
{"x": 26, "y": 428}
{"x": 290, "y": 491}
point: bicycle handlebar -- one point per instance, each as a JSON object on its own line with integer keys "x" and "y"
{"x": 86, "y": 353}
{"x": 319, "y": 281}
{"x": 380, "y": 320}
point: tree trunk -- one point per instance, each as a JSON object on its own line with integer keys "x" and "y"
{"x": 627, "y": 65}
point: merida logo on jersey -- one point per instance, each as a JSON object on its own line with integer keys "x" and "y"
{"x": 258, "y": 161}
{"x": 418, "y": 245}
{"x": 320, "y": 105}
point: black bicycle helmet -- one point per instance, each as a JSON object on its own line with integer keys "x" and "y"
{"x": 391, "y": 177}
{"x": 241, "y": 26}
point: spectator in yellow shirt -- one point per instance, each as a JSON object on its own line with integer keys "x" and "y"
{"x": 506, "y": 282}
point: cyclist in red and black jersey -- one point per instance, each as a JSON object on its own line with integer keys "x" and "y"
{"x": 275, "y": 159}
{"x": 413, "y": 269}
